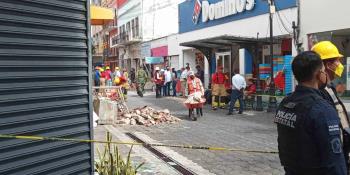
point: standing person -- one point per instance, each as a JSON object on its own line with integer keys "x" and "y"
{"x": 108, "y": 76}
{"x": 117, "y": 73}
{"x": 97, "y": 76}
{"x": 163, "y": 89}
{"x": 102, "y": 80}
{"x": 309, "y": 133}
{"x": 158, "y": 80}
{"x": 238, "y": 86}
{"x": 125, "y": 85}
{"x": 102, "y": 77}
{"x": 132, "y": 77}
{"x": 334, "y": 68}
{"x": 168, "y": 79}
{"x": 142, "y": 79}
{"x": 200, "y": 73}
{"x": 218, "y": 89}
{"x": 174, "y": 81}
{"x": 183, "y": 80}
{"x": 194, "y": 85}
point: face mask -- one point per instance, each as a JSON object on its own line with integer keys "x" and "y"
{"x": 339, "y": 70}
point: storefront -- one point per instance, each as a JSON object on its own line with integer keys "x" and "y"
{"x": 233, "y": 33}
{"x": 333, "y": 27}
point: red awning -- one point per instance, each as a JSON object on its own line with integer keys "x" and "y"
{"x": 159, "y": 51}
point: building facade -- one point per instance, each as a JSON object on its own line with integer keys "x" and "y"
{"x": 233, "y": 34}
{"x": 328, "y": 22}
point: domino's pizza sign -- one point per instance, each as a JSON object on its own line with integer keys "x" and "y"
{"x": 225, "y": 8}
{"x": 199, "y": 14}
{"x": 220, "y": 9}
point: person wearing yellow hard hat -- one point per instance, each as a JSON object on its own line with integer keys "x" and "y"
{"x": 117, "y": 73}
{"x": 102, "y": 79}
{"x": 331, "y": 58}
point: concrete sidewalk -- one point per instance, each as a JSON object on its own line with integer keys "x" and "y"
{"x": 152, "y": 166}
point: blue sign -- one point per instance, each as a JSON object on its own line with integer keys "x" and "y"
{"x": 154, "y": 60}
{"x": 221, "y": 12}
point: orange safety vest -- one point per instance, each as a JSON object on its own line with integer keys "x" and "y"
{"x": 191, "y": 88}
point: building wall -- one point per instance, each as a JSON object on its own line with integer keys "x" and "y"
{"x": 330, "y": 15}
{"x": 159, "y": 18}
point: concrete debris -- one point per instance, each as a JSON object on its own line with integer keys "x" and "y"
{"x": 146, "y": 116}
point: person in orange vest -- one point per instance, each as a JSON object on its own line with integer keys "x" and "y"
{"x": 194, "y": 84}
{"x": 218, "y": 88}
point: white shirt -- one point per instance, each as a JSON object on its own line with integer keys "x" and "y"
{"x": 168, "y": 76}
{"x": 184, "y": 74}
{"x": 238, "y": 82}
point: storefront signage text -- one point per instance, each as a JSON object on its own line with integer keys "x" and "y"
{"x": 225, "y": 8}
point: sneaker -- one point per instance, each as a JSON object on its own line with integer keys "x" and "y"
{"x": 240, "y": 112}
{"x": 214, "y": 108}
{"x": 230, "y": 113}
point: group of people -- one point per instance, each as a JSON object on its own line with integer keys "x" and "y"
{"x": 169, "y": 81}
{"x": 312, "y": 122}
{"x": 103, "y": 76}
{"x": 239, "y": 88}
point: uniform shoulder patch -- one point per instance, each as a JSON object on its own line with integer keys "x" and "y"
{"x": 336, "y": 145}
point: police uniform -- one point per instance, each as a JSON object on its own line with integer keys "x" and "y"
{"x": 309, "y": 139}
{"x": 345, "y": 130}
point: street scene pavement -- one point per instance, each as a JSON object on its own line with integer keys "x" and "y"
{"x": 251, "y": 130}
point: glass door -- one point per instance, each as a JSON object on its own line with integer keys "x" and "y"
{"x": 224, "y": 59}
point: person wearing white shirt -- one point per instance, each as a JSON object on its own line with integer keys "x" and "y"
{"x": 238, "y": 86}
{"x": 183, "y": 80}
{"x": 167, "y": 83}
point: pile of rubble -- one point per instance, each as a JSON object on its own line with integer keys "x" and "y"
{"x": 146, "y": 116}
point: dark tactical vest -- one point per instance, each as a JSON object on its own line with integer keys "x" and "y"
{"x": 294, "y": 143}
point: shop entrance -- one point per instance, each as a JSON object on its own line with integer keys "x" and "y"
{"x": 224, "y": 59}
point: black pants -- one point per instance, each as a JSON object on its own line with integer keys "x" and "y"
{"x": 158, "y": 90}
{"x": 168, "y": 84}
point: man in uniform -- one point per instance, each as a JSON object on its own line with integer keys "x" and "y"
{"x": 309, "y": 138}
{"x": 142, "y": 79}
{"x": 218, "y": 89}
{"x": 334, "y": 69}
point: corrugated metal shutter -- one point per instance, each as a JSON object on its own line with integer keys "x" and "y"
{"x": 44, "y": 86}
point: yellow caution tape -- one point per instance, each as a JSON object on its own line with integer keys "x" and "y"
{"x": 4, "y": 136}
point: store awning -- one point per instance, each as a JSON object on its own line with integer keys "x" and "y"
{"x": 225, "y": 40}
{"x": 100, "y": 15}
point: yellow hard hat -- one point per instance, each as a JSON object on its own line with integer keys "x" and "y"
{"x": 107, "y": 68}
{"x": 116, "y": 68}
{"x": 326, "y": 50}
{"x": 101, "y": 69}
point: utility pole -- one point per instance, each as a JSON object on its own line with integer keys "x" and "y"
{"x": 259, "y": 106}
{"x": 272, "y": 99}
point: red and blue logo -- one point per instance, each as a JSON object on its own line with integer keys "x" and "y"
{"x": 196, "y": 11}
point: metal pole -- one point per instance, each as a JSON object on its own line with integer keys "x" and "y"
{"x": 259, "y": 106}
{"x": 272, "y": 99}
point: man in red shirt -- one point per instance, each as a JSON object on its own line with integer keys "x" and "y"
{"x": 108, "y": 76}
{"x": 218, "y": 88}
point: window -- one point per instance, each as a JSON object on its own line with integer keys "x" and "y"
{"x": 137, "y": 27}
{"x": 128, "y": 31}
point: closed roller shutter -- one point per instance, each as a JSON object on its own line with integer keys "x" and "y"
{"x": 44, "y": 86}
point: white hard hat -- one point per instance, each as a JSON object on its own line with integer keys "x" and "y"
{"x": 157, "y": 68}
{"x": 190, "y": 73}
